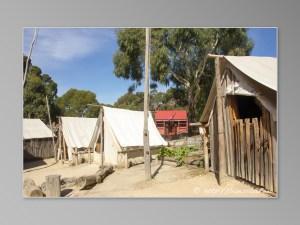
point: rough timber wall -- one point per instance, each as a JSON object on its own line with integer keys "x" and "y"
{"x": 38, "y": 149}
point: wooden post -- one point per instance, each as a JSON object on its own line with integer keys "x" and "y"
{"x": 126, "y": 161}
{"x": 90, "y": 157}
{"x": 53, "y": 186}
{"x": 205, "y": 149}
{"x": 76, "y": 156}
{"x": 147, "y": 154}
{"x": 221, "y": 141}
{"x": 49, "y": 117}
{"x": 59, "y": 142}
{"x": 65, "y": 150}
{"x": 275, "y": 161}
{"x": 62, "y": 140}
{"x": 101, "y": 138}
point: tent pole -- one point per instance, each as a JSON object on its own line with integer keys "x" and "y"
{"x": 101, "y": 137}
{"x": 49, "y": 117}
{"x": 147, "y": 154}
{"x": 59, "y": 142}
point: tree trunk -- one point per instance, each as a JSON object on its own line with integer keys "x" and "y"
{"x": 88, "y": 181}
{"x": 191, "y": 106}
{"x": 53, "y": 186}
{"x": 30, "y": 189}
{"x": 102, "y": 173}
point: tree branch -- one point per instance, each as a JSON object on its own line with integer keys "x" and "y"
{"x": 203, "y": 63}
{"x": 181, "y": 80}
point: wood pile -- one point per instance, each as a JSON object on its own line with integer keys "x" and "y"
{"x": 50, "y": 187}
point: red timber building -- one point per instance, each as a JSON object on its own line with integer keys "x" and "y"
{"x": 171, "y": 123}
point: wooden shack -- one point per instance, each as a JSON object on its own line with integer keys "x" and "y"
{"x": 37, "y": 140}
{"x": 171, "y": 123}
{"x": 240, "y": 120}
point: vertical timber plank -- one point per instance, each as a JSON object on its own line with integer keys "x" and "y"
{"x": 227, "y": 148}
{"x": 262, "y": 168}
{"x": 274, "y": 162}
{"x": 270, "y": 151}
{"x": 211, "y": 145}
{"x": 248, "y": 145}
{"x": 257, "y": 151}
{"x": 266, "y": 156}
{"x": 242, "y": 148}
{"x": 252, "y": 151}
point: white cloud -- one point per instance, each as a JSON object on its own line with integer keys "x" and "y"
{"x": 64, "y": 44}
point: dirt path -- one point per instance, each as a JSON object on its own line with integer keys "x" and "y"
{"x": 169, "y": 182}
{"x": 49, "y": 167}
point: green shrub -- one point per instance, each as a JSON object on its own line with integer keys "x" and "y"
{"x": 178, "y": 153}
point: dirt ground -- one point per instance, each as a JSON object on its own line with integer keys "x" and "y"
{"x": 169, "y": 181}
{"x": 49, "y": 167}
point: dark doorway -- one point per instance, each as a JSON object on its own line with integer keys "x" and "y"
{"x": 247, "y": 107}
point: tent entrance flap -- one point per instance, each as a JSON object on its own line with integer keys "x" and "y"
{"x": 123, "y": 130}
{"x": 78, "y": 132}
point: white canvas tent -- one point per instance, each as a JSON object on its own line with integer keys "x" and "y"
{"x": 35, "y": 129}
{"x": 123, "y": 132}
{"x": 78, "y": 132}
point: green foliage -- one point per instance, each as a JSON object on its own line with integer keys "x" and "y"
{"x": 37, "y": 87}
{"x": 172, "y": 99}
{"x": 75, "y": 103}
{"x": 179, "y": 56}
{"x": 178, "y": 153}
{"x": 131, "y": 101}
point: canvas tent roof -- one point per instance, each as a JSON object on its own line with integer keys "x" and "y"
{"x": 35, "y": 128}
{"x": 127, "y": 127}
{"x": 78, "y": 131}
{"x": 262, "y": 70}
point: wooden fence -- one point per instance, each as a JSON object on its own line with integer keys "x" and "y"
{"x": 253, "y": 151}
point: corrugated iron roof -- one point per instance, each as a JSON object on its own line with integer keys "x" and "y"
{"x": 171, "y": 115}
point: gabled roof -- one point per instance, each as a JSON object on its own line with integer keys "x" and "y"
{"x": 171, "y": 115}
{"x": 127, "y": 127}
{"x": 35, "y": 128}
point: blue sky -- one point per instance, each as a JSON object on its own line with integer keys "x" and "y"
{"x": 82, "y": 58}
